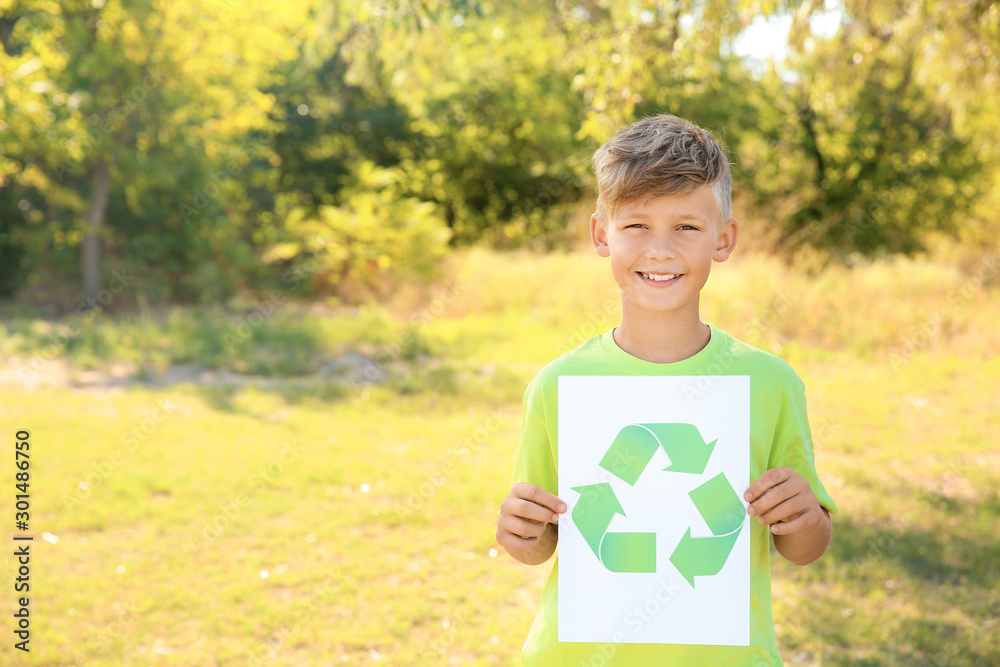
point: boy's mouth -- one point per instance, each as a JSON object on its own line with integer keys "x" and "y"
{"x": 660, "y": 277}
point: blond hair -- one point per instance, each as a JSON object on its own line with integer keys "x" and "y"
{"x": 658, "y": 156}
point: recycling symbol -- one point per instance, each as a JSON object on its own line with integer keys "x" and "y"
{"x": 715, "y": 500}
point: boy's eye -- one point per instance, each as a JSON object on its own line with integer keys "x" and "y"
{"x": 689, "y": 227}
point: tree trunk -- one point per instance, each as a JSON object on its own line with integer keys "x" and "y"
{"x": 92, "y": 242}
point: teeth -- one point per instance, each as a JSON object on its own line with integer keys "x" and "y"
{"x": 669, "y": 276}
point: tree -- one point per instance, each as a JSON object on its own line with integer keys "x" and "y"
{"x": 134, "y": 107}
{"x": 888, "y": 145}
{"x": 459, "y": 96}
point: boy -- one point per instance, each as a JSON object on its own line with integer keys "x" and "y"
{"x": 663, "y": 216}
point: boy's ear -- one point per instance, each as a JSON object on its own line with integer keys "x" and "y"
{"x": 599, "y": 236}
{"x": 727, "y": 240}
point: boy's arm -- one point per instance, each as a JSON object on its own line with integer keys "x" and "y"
{"x": 527, "y": 525}
{"x": 805, "y": 546}
{"x": 783, "y": 499}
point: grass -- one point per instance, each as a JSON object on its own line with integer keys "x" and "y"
{"x": 504, "y": 307}
{"x": 369, "y": 498}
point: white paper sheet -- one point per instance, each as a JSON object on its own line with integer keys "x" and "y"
{"x": 631, "y": 581}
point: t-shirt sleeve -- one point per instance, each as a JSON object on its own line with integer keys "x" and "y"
{"x": 536, "y": 457}
{"x": 795, "y": 445}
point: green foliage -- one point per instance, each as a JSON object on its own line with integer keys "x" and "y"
{"x": 375, "y": 234}
{"x": 235, "y": 140}
{"x": 463, "y": 100}
{"x": 163, "y": 97}
{"x": 883, "y": 156}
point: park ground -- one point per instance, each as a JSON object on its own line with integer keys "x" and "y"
{"x": 270, "y": 483}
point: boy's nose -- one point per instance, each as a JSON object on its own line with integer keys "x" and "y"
{"x": 660, "y": 248}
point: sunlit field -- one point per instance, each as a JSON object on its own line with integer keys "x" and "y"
{"x": 278, "y": 484}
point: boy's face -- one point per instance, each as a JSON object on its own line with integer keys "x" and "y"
{"x": 661, "y": 253}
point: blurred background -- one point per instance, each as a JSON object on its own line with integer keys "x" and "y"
{"x": 273, "y": 277}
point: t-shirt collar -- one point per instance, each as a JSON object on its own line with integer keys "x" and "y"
{"x": 641, "y": 366}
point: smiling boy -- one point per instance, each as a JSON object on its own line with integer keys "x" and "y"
{"x": 663, "y": 216}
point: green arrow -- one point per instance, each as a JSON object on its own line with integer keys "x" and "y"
{"x": 635, "y": 445}
{"x": 631, "y": 451}
{"x": 719, "y": 505}
{"x": 593, "y": 512}
{"x": 684, "y": 445}
{"x": 629, "y": 552}
{"x": 620, "y": 552}
{"x": 702, "y": 556}
{"x": 723, "y": 511}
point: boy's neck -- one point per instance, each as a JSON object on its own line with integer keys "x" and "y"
{"x": 662, "y": 341}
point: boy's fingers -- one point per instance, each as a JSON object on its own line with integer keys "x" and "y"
{"x": 509, "y": 541}
{"x": 525, "y": 509}
{"x": 521, "y": 528}
{"x": 789, "y": 509}
{"x": 770, "y": 499}
{"x": 531, "y": 511}
{"x": 770, "y": 478}
{"x": 539, "y": 496}
{"x": 799, "y": 523}
{"x": 781, "y": 512}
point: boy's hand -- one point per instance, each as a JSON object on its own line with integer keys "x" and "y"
{"x": 783, "y": 499}
{"x": 526, "y": 527}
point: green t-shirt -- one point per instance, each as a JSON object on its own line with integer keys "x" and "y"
{"x": 779, "y": 436}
